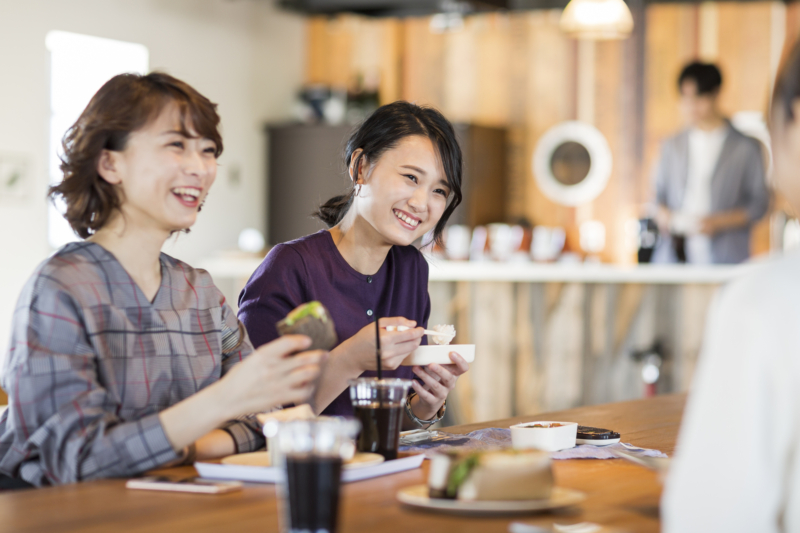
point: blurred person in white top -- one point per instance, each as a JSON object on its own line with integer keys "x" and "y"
{"x": 737, "y": 467}
{"x": 709, "y": 180}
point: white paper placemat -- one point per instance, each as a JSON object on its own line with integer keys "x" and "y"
{"x": 271, "y": 474}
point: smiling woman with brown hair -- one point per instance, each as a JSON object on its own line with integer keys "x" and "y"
{"x": 122, "y": 358}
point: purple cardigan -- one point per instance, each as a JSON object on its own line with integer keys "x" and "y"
{"x": 311, "y": 268}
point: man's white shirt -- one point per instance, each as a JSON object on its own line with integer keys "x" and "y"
{"x": 704, "y": 151}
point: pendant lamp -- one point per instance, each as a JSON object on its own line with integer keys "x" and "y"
{"x": 597, "y": 19}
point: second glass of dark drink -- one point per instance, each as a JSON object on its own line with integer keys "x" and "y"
{"x": 312, "y": 452}
{"x": 378, "y": 405}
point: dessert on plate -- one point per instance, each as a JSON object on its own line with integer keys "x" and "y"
{"x": 501, "y": 475}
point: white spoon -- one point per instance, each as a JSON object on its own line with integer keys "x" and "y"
{"x": 426, "y": 331}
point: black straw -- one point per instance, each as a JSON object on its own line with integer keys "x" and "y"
{"x": 378, "y": 346}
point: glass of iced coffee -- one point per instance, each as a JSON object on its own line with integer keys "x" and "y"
{"x": 378, "y": 405}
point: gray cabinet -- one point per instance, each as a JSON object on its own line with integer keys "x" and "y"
{"x": 484, "y": 184}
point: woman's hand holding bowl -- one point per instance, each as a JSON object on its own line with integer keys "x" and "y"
{"x": 437, "y": 382}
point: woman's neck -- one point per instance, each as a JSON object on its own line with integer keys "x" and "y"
{"x": 137, "y": 249}
{"x": 360, "y": 244}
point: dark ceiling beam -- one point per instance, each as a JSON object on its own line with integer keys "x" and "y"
{"x": 413, "y": 8}
{"x": 393, "y": 8}
{"x": 529, "y": 5}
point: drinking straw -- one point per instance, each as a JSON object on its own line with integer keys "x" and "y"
{"x": 378, "y": 346}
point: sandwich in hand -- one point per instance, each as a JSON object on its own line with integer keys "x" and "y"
{"x": 313, "y": 320}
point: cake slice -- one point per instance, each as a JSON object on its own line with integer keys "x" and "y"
{"x": 313, "y": 320}
{"x": 501, "y": 475}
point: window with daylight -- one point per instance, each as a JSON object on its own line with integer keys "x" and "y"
{"x": 79, "y": 66}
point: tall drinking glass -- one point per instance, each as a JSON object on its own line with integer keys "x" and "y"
{"x": 311, "y": 453}
{"x": 378, "y": 405}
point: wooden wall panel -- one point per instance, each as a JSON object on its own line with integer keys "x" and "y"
{"x": 423, "y": 76}
{"x": 460, "y": 69}
{"x": 671, "y": 41}
{"x": 330, "y": 50}
{"x": 519, "y": 79}
{"x": 615, "y": 205}
{"x": 316, "y": 50}
{"x": 391, "y": 66}
{"x": 492, "y": 59}
{"x": 550, "y": 99}
{"x": 744, "y": 55}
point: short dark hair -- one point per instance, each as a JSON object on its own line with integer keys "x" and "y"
{"x": 381, "y": 131}
{"x": 124, "y": 104}
{"x": 787, "y": 84}
{"x": 706, "y": 76}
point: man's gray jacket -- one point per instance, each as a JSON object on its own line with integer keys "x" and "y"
{"x": 737, "y": 182}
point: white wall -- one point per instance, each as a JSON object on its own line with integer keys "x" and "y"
{"x": 244, "y": 55}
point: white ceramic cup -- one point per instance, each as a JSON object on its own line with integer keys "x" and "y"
{"x": 549, "y": 439}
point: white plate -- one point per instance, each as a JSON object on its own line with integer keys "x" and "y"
{"x": 417, "y": 496}
{"x": 272, "y": 474}
{"x": 360, "y": 460}
{"x": 439, "y": 354}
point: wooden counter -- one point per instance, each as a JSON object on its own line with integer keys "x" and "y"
{"x": 549, "y": 338}
{"x": 619, "y": 494}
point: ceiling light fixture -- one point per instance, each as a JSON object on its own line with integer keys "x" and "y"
{"x": 597, "y": 19}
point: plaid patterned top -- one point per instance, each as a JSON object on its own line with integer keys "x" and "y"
{"x": 92, "y": 362}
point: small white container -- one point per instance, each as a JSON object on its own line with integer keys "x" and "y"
{"x": 549, "y": 439}
{"x": 439, "y": 354}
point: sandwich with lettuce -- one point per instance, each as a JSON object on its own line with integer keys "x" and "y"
{"x": 491, "y": 475}
{"x": 312, "y": 320}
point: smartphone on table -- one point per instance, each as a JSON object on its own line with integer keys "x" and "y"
{"x": 193, "y": 484}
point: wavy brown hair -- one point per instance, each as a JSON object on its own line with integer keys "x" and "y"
{"x": 123, "y": 105}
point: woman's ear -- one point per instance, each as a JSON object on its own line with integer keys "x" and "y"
{"x": 356, "y": 169}
{"x": 108, "y": 167}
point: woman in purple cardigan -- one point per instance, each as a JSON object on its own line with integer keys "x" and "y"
{"x": 405, "y": 166}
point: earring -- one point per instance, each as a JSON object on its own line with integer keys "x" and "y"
{"x": 357, "y": 189}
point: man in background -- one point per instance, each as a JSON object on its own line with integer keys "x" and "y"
{"x": 710, "y": 186}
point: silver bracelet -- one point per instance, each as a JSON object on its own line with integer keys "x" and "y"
{"x": 419, "y": 421}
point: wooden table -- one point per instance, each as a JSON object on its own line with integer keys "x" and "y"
{"x": 620, "y": 494}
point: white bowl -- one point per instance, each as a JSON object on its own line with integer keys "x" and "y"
{"x": 439, "y": 354}
{"x": 523, "y": 436}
